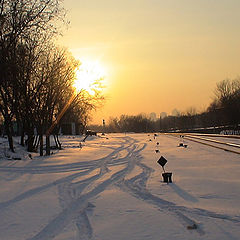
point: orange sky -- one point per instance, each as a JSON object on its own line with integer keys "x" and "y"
{"x": 159, "y": 55}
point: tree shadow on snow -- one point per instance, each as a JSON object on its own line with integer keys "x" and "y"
{"x": 182, "y": 193}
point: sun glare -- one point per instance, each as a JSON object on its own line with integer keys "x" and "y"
{"x": 87, "y": 76}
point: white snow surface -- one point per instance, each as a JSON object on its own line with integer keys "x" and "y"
{"x": 112, "y": 189}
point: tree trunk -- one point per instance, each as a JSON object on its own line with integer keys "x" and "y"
{"x": 41, "y": 144}
{"x": 9, "y": 134}
{"x": 30, "y": 140}
{"x": 47, "y": 145}
{"x": 54, "y": 136}
{"x": 22, "y": 143}
{"x": 22, "y": 138}
{"x": 59, "y": 143}
{"x": 36, "y": 142}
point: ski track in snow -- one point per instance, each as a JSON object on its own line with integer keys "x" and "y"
{"x": 74, "y": 197}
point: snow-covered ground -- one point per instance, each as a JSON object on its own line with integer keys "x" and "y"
{"x": 112, "y": 189}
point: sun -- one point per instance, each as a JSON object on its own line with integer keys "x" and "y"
{"x": 89, "y": 75}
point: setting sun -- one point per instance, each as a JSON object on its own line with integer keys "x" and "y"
{"x": 89, "y": 75}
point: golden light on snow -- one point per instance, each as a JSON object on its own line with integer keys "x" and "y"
{"x": 89, "y": 75}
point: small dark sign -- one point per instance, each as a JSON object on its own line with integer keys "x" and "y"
{"x": 162, "y": 161}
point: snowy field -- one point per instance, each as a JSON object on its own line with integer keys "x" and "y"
{"x": 112, "y": 189}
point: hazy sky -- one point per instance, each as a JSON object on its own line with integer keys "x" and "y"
{"x": 159, "y": 54}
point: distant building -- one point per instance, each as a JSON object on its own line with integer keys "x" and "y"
{"x": 72, "y": 128}
{"x": 163, "y": 115}
{"x": 153, "y": 116}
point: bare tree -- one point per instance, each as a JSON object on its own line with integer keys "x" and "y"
{"x": 227, "y": 95}
{"x": 59, "y": 68}
{"x": 21, "y": 22}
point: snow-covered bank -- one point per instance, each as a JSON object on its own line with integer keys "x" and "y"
{"x": 112, "y": 189}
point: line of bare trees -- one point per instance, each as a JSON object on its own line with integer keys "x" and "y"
{"x": 222, "y": 113}
{"x": 36, "y": 77}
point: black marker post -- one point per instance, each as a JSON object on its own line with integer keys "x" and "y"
{"x": 167, "y": 176}
{"x": 162, "y": 161}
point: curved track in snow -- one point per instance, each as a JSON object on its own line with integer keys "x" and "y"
{"x": 88, "y": 179}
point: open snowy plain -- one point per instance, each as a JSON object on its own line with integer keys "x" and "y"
{"x": 112, "y": 189}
